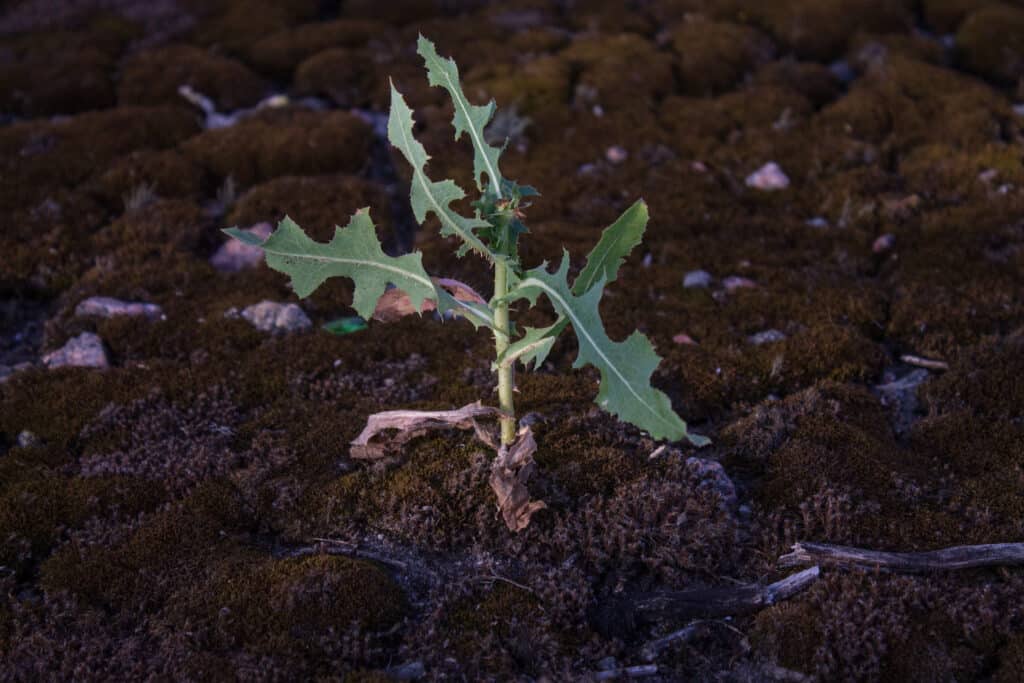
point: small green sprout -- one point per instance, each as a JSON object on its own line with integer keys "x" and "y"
{"x": 492, "y": 233}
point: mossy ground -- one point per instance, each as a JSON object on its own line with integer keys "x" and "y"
{"x": 193, "y": 512}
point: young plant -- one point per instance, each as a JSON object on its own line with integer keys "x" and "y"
{"x": 492, "y": 233}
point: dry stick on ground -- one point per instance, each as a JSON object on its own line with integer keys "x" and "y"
{"x": 621, "y": 616}
{"x": 920, "y": 362}
{"x": 958, "y": 557}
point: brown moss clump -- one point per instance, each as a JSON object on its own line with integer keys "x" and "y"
{"x": 153, "y": 77}
{"x": 990, "y": 42}
{"x": 492, "y": 629}
{"x": 344, "y": 75}
{"x": 39, "y": 158}
{"x": 945, "y": 174}
{"x": 714, "y": 55}
{"x": 283, "y": 143}
{"x": 812, "y": 80}
{"x": 821, "y": 30}
{"x": 234, "y": 25}
{"x": 944, "y": 16}
{"x": 316, "y": 203}
{"x": 619, "y": 72}
{"x": 167, "y": 172}
{"x": 279, "y": 53}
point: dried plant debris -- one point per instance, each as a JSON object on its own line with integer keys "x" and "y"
{"x": 512, "y": 469}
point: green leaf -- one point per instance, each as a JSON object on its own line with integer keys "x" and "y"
{"x": 354, "y": 252}
{"x": 429, "y": 196}
{"x": 625, "y": 367}
{"x": 616, "y": 242}
{"x": 469, "y": 118}
{"x": 534, "y": 346}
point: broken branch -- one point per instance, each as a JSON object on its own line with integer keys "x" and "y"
{"x": 947, "y": 559}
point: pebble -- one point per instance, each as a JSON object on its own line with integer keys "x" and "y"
{"x": 766, "y": 337}
{"x": 884, "y": 243}
{"x": 697, "y": 278}
{"x": 817, "y": 222}
{"x": 270, "y": 316}
{"x": 1018, "y": 109}
{"x": 233, "y": 256}
{"x": 27, "y": 439}
{"x": 734, "y": 282}
{"x": 107, "y": 307}
{"x": 684, "y": 339}
{"x": 616, "y": 154}
{"x": 84, "y": 351}
{"x": 768, "y": 178}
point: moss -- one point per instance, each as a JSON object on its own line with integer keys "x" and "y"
{"x": 153, "y": 78}
{"x": 168, "y": 172}
{"x": 944, "y": 16}
{"x": 237, "y": 24}
{"x": 990, "y": 42}
{"x": 39, "y": 506}
{"x": 986, "y": 380}
{"x": 821, "y": 30}
{"x": 300, "y": 601}
{"x": 714, "y": 56}
{"x": 280, "y": 53}
{"x": 344, "y": 75}
{"x": 399, "y": 12}
{"x": 39, "y": 158}
{"x": 788, "y": 633}
{"x": 494, "y": 625}
{"x": 812, "y": 80}
{"x": 1011, "y": 660}
{"x": 945, "y": 174}
{"x": 284, "y": 143}
{"x": 619, "y": 72}
{"x": 832, "y": 352}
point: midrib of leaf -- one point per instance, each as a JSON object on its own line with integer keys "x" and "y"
{"x": 582, "y": 330}
{"x": 462, "y": 104}
{"x": 359, "y": 262}
{"x": 441, "y": 212}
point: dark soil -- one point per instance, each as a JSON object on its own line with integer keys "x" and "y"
{"x": 163, "y": 518}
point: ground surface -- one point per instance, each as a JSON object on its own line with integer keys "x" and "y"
{"x": 159, "y": 517}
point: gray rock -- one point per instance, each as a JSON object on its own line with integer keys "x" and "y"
{"x": 817, "y": 222}
{"x": 734, "y": 282}
{"x": 270, "y": 316}
{"x": 107, "y": 307}
{"x": 84, "y": 351}
{"x": 616, "y": 154}
{"x": 697, "y": 278}
{"x": 768, "y": 178}
{"x": 233, "y": 256}
{"x": 766, "y": 337}
{"x": 27, "y": 439}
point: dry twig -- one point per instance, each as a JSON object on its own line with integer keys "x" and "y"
{"x": 947, "y": 559}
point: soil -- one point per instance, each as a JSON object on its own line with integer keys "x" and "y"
{"x": 192, "y": 512}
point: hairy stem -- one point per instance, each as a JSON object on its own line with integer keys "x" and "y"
{"x": 506, "y": 381}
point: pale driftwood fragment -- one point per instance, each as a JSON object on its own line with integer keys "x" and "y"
{"x": 511, "y": 469}
{"x": 627, "y": 672}
{"x": 624, "y": 615}
{"x": 947, "y": 559}
{"x": 410, "y": 424}
{"x": 920, "y": 362}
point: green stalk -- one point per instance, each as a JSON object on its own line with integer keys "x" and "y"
{"x": 506, "y": 381}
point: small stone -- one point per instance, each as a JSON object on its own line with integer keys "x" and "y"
{"x": 734, "y": 282}
{"x": 842, "y": 70}
{"x": 884, "y": 243}
{"x": 107, "y": 307}
{"x": 1018, "y": 109}
{"x": 233, "y": 256}
{"x": 683, "y": 339}
{"x": 817, "y": 222}
{"x": 616, "y": 154}
{"x": 27, "y": 439}
{"x": 697, "y": 278}
{"x": 84, "y": 351}
{"x": 270, "y": 316}
{"x": 768, "y": 178}
{"x": 766, "y": 337}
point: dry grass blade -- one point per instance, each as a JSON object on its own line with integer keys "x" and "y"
{"x": 410, "y": 424}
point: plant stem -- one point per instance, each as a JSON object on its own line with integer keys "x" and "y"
{"x": 506, "y": 381}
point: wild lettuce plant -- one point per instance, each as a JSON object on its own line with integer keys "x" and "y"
{"x": 491, "y": 233}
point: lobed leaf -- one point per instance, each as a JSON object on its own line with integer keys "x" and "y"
{"x": 354, "y": 252}
{"x": 617, "y": 240}
{"x": 469, "y": 119}
{"x": 534, "y": 346}
{"x": 625, "y": 367}
{"x": 428, "y": 196}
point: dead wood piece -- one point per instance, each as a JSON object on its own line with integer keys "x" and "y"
{"x": 624, "y": 615}
{"x": 509, "y": 474}
{"x": 920, "y": 362}
{"x": 627, "y": 672}
{"x": 947, "y": 559}
{"x": 411, "y": 424}
{"x": 396, "y": 304}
